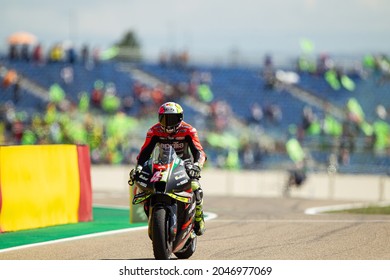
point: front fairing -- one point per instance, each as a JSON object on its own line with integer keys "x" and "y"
{"x": 164, "y": 173}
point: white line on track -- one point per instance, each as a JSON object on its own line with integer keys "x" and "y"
{"x": 303, "y": 221}
{"x": 73, "y": 238}
{"x": 319, "y": 210}
{"x": 209, "y": 216}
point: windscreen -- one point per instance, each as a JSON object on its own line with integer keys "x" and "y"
{"x": 164, "y": 154}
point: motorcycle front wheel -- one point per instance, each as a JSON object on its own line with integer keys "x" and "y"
{"x": 162, "y": 248}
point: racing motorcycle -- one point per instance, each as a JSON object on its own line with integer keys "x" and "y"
{"x": 164, "y": 187}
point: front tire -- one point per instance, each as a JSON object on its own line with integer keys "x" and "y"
{"x": 162, "y": 249}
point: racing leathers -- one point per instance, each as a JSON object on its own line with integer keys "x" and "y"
{"x": 187, "y": 146}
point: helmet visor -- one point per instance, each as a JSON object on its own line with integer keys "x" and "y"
{"x": 170, "y": 120}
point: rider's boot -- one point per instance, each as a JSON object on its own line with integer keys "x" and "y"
{"x": 199, "y": 221}
{"x": 199, "y": 227}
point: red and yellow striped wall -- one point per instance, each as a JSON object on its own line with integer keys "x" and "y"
{"x": 44, "y": 185}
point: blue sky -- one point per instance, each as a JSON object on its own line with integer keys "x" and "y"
{"x": 206, "y": 27}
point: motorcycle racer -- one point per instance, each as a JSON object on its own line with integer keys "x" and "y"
{"x": 172, "y": 130}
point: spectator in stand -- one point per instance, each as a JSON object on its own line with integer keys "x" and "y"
{"x": 349, "y": 132}
{"x": 67, "y": 75}
{"x": 183, "y": 59}
{"x": 56, "y": 53}
{"x": 7, "y": 116}
{"x": 111, "y": 102}
{"x": 220, "y": 115}
{"x": 250, "y": 154}
{"x": 71, "y": 55}
{"x": 268, "y": 73}
{"x": 324, "y": 64}
{"x": 127, "y": 104}
{"x": 83, "y": 102}
{"x": 17, "y": 130}
{"x": 143, "y": 96}
{"x": 381, "y": 132}
{"x": 10, "y": 78}
{"x": 13, "y": 52}
{"x": 307, "y": 117}
{"x": 85, "y": 54}
{"x": 383, "y": 68}
{"x": 273, "y": 113}
{"x": 97, "y": 94}
{"x": 96, "y": 55}
{"x": 37, "y": 55}
{"x": 2, "y": 133}
{"x": 137, "y": 89}
{"x": 25, "y": 53}
{"x": 256, "y": 114}
{"x": 205, "y": 93}
{"x": 17, "y": 91}
{"x": 344, "y": 156}
{"x": 310, "y": 123}
{"x": 298, "y": 173}
{"x": 158, "y": 95}
{"x": 163, "y": 59}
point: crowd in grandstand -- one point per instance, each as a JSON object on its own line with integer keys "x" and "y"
{"x": 58, "y": 52}
{"x": 111, "y": 124}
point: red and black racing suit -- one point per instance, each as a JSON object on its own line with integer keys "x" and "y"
{"x": 184, "y": 141}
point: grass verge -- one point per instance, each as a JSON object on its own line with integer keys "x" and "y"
{"x": 104, "y": 219}
{"x": 370, "y": 210}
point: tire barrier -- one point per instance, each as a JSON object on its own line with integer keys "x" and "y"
{"x": 44, "y": 185}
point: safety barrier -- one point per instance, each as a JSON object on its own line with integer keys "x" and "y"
{"x": 44, "y": 185}
{"x": 263, "y": 183}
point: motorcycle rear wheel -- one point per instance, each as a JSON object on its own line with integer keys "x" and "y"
{"x": 188, "y": 250}
{"x": 162, "y": 248}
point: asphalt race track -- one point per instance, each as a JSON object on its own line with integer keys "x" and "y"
{"x": 244, "y": 229}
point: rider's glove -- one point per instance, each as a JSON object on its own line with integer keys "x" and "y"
{"x": 194, "y": 171}
{"x": 134, "y": 173}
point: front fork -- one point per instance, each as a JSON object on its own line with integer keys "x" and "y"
{"x": 171, "y": 210}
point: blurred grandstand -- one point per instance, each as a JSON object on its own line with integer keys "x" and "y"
{"x": 244, "y": 114}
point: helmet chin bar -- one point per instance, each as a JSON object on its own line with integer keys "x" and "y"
{"x": 170, "y": 129}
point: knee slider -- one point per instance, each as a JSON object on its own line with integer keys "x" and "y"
{"x": 197, "y": 191}
{"x": 195, "y": 185}
{"x": 198, "y": 196}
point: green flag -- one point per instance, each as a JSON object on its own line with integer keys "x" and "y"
{"x": 382, "y": 133}
{"x": 205, "y": 93}
{"x": 314, "y": 128}
{"x": 28, "y": 138}
{"x": 111, "y": 103}
{"x": 120, "y": 125}
{"x": 347, "y": 83}
{"x": 294, "y": 150}
{"x": 369, "y": 61}
{"x": 355, "y": 108}
{"x": 84, "y": 102}
{"x": 56, "y": 93}
{"x": 331, "y": 78}
{"x": 109, "y": 53}
{"x": 307, "y": 46}
{"x": 332, "y": 126}
{"x": 232, "y": 159}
